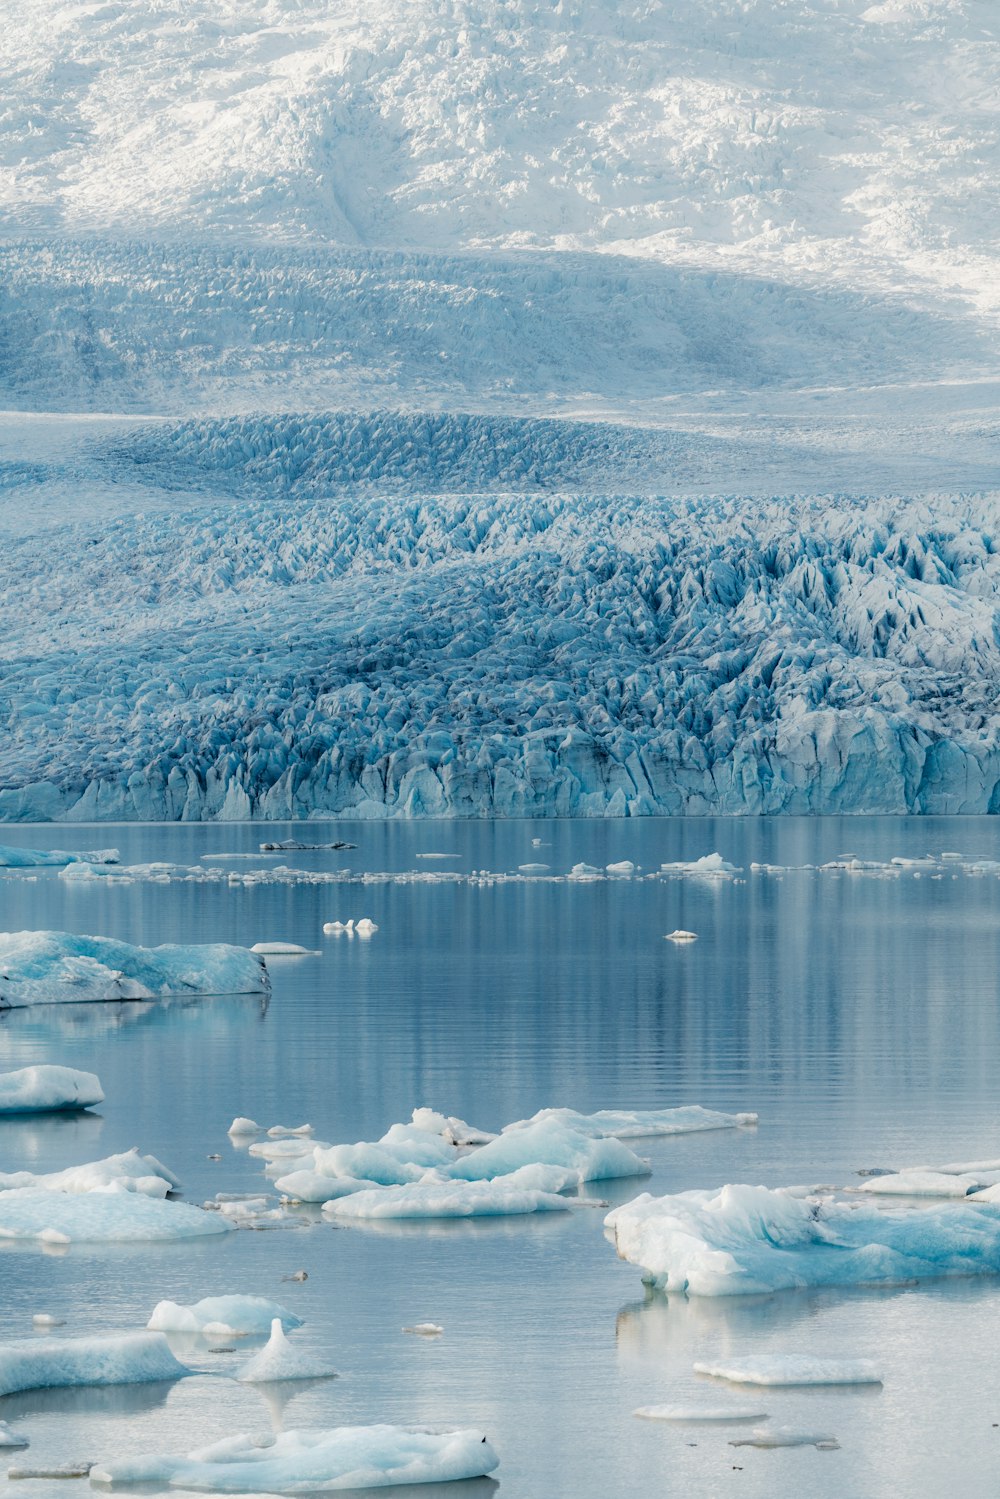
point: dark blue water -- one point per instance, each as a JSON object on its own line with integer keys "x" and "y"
{"x": 858, "y": 1015}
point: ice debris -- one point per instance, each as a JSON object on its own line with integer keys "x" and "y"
{"x": 680, "y": 935}
{"x": 792, "y": 1369}
{"x": 425, "y": 1329}
{"x": 345, "y": 1457}
{"x": 281, "y": 950}
{"x": 710, "y": 866}
{"x": 46, "y": 1088}
{"x": 127, "y": 1172}
{"x": 280, "y": 1360}
{"x": 242, "y": 1126}
{"x": 45, "y": 1319}
{"x": 118, "y": 1358}
{"x": 60, "y": 967}
{"x": 232, "y": 1316}
{"x": 625, "y": 1124}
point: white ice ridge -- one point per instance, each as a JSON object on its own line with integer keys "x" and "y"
{"x": 35, "y": 858}
{"x": 827, "y": 654}
{"x": 739, "y": 1240}
{"x": 792, "y": 1369}
{"x": 61, "y": 967}
{"x": 280, "y": 1360}
{"x": 128, "y": 1172}
{"x": 118, "y": 1358}
{"x": 231, "y": 1316}
{"x": 295, "y": 1462}
{"x": 46, "y": 1088}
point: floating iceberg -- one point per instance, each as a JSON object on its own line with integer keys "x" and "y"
{"x": 127, "y": 1172}
{"x": 425, "y": 1329}
{"x": 60, "y": 967}
{"x": 281, "y": 950}
{"x": 707, "y": 1413}
{"x": 550, "y": 1142}
{"x": 12, "y": 1440}
{"x": 713, "y": 866}
{"x": 101, "y": 1216}
{"x": 280, "y": 1360}
{"x": 787, "y": 1436}
{"x": 242, "y": 1126}
{"x": 448, "y": 1199}
{"x": 119, "y": 1358}
{"x": 222, "y": 1316}
{"x": 680, "y": 935}
{"x": 47, "y": 1088}
{"x": 626, "y": 1124}
{"x": 38, "y": 858}
{"x": 792, "y": 1369}
{"x": 294, "y": 1462}
{"x": 739, "y": 1240}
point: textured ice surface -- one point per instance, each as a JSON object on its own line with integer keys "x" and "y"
{"x": 128, "y": 1172}
{"x": 279, "y": 1360}
{"x": 61, "y": 967}
{"x": 792, "y": 1369}
{"x": 503, "y": 1197}
{"x": 625, "y": 1124}
{"x": 549, "y": 1142}
{"x": 741, "y": 1239}
{"x": 223, "y": 1316}
{"x": 101, "y": 1214}
{"x": 34, "y": 858}
{"x": 47, "y": 1088}
{"x": 119, "y": 1358}
{"x": 346, "y": 1457}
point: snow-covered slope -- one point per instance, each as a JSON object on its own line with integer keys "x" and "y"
{"x": 430, "y": 408}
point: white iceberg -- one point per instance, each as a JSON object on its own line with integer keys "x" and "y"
{"x": 714, "y": 866}
{"x": 680, "y": 935}
{"x": 707, "y": 1413}
{"x": 920, "y": 1183}
{"x": 448, "y": 1199}
{"x": 740, "y": 1240}
{"x": 294, "y": 1462}
{"x": 787, "y": 1436}
{"x": 243, "y": 1126}
{"x": 46, "y": 1088}
{"x": 425, "y": 1329}
{"x": 280, "y": 1360}
{"x": 792, "y": 1369}
{"x": 118, "y": 1358}
{"x": 455, "y": 1131}
{"x": 549, "y": 1142}
{"x": 41, "y": 858}
{"x": 222, "y": 1316}
{"x": 281, "y": 950}
{"x": 102, "y": 1216}
{"x": 627, "y": 1124}
{"x": 60, "y": 967}
{"x": 127, "y": 1172}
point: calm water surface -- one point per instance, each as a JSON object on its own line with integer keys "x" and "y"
{"x": 858, "y": 1016}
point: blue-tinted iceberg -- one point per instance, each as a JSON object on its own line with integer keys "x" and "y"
{"x": 102, "y": 1217}
{"x": 222, "y": 1316}
{"x": 294, "y": 1462}
{"x": 61, "y": 967}
{"x": 739, "y": 1240}
{"x": 38, "y": 858}
{"x": 46, "y": 1088}
{"x": 119, "y": 1358}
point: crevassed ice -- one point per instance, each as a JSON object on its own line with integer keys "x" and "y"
{"x": 46, "y": 1088}
{"x": 739, "y": 1240}
{"x": 61, "y": 967}
{"x": 345, "y": 1457}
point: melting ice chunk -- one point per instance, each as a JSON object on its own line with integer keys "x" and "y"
{"x": 280, "y": 1360}
{"x": 46, "y": 1088}
{"x": 222, "y": 1316}
{"x": 119, "y": 1358}
{"x": 792, "y": 1369}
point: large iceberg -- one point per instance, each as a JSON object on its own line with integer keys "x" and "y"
{"x": 47, "y": 1088}
{"x": 61, "y": 967}
{"x": 740, "y": 1240}
{"x": 40, "y": 858}
{"x": 119, "y": 1358}
{"x": 299, "y": 1462}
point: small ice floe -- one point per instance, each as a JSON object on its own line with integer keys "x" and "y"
{"x": 787, "y": 1436}
{"x": 279, "y": 1360}
{"x": 231, "y": 1316}
{"x": 533, "y": 868}
{"x": 365, "y": 927}
{"x": 714, "y": 866}
{"x": 585, "y": 872}
{"x": 707, "y": 1413}
{"x": 11, "y": 1440}
{"x": 438, "y": 856}
{"x": 792, "y": 1369}
{"x": 118, "y": 1358}
{"x": 104, "y": 1216}
{"x": 45, "y": 1319}
{"x": 447, "y": 1199}
{"x": 292, "y": 845}
{"x": 48, "y": 1089}
{"x": 623, "y": 867}
{"x": 425, "y": 1329}
{"x": 62, "y": 967}
{"x": 282, "y": 950}
{"x": 241, "y": 1126}
{"x": 680, "y": 935}
{"x": 289, "y": 1131}
{"x": 35, "y": 858}
{"x": 298, "y": 1275}
{"x": 627, "y": 1124}
{"x": 127, "y": 1172}
{"x": 247, "y": 1212}
{"x": 293, "y": 1462}
{"x": 339, "y": 928}
{"x": 920, "y": 1183}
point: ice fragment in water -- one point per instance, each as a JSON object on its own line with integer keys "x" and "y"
{"x": 680, "y": 935}
{"x": 61, "y": 967}
{"x": 709, "y": 1413}
{"x": 118, "y": 1358}
{"x": 792, "y": 1369}
{"x": 232, "y": 1316}
{"x": 281, "y": 950}
{"x": 425, "y": 1329}
{"x": 280, "y": 1360}
{"x": 787, "y": 1436}
{"x": 46, "y": 1088}
{"x": 11, "y": 1439}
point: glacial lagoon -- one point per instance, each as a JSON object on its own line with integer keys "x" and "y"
{"x": 854, "y": 1008}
